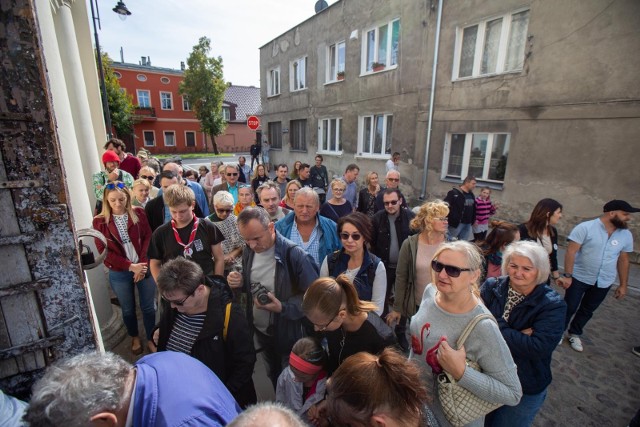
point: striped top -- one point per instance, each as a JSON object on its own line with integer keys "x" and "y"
{"x": 484, "y": 210}
{"x": 185, "y": 331}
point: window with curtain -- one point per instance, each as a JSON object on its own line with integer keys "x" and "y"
{"x": 298, "y": 134}
{"x": 481, "y": 154}
{"x": 275, "y": 134}
{"x": 329, "y": 136}
{"x": 381, "y": 46}
{"x": 375, "y": 135}
{"x": 298, "y": 74}
{"x": 494, "y": 46}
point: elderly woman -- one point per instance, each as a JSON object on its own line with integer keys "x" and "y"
{"x": 223, "y": 218}
{"x": 337, "y": 206}
{"x": 531, "y": 319}
{"x": 414, "y": 260}
{"x": 448, "y": 306}
{"x": 364, "y": 269}
{"x": 289, "y": 193}
{"x": 203, "y": 171}
{"x": 245, "y": 199}
{"x": 367, "y": 196}
{"x": 383, "y": 390}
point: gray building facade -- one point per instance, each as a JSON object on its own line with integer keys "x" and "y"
{"x": 535, "y": 99}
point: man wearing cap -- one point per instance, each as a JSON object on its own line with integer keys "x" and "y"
{"x": 597, "y": 249}
{"x": 111, "y": 173}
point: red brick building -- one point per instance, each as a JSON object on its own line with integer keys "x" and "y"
{"x": 165, "y": 122}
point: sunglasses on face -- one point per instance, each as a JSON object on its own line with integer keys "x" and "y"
{"x": 149, "y": 178}
{"x": 393, "y": 179}
{"x": 179, "y": 303}
{"x": 451, "y": 270}
{"x": 224, "y": 211}
{"x": 112, "y": 185}
{"x": 232, "y": 174}
{"x": 354, "y": 236}
{"x": 391, "y": 203}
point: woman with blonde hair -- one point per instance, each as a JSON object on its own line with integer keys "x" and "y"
{"x": 349, "y": 324}
{"x": 141, "y": 189}
{"x": 414, "y": 260}
{"x": 289, "y": 193}
{"x": 451, "y": 303}
{"x": 367, "y": 196}
{"x": 149, "y": 173}
{"x": 128, "y": 234}
{"x": 384, "y": 390}
{"x": 337, "y": 206}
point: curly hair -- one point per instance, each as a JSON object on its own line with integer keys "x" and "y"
{"x": 427, "y": 213}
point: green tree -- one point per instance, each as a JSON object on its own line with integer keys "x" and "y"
{"x": 121, "y": 109}
{"x": 204, "y": 86}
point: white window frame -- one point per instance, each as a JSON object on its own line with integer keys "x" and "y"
{"x": 361, "y": 136}
{"x": 367, "y": 68}
{"x": 226, "y": 114}
{"x": 162, "y": 105}
{"x": 148, "y": 93}
{"x": 273, "y": 82}
{"x": 164, "y": 133}
{"x": 466, "y": 156}
{"x": 186, "y": 105}
{"x": 503, "y": 45}
{"x": 144, "y": 140}
{"x": 331, "y": 130}
{"x": 298, "y": 82}
{"x": 195, "y": 140}
{"x": 331, "y": 76}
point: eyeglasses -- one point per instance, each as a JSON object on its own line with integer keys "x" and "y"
{"x": 113, "y": 185}
{"x": 354, "y": 236}
{"x": 232, "y": 174}
{"x": 333, "y": 319}
{"x": 335, "y": 190}
{"x": 451, "y": 270}
{"x": 393, "y": 179}
{"x": 179, "y": 303}
{"x": 150, "y": 178}
{"x": 442, "y": 218}
{"x": 391, "y": 202}
{"x": 224, "y": 211}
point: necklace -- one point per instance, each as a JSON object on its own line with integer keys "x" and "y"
{"x": 344, "y": 336}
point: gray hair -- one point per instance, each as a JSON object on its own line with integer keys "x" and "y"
{"x": 256, "y": 213}
{"x": 266, "y": 186}
{"x": 392, "y": 172}
{"x": 223, "y": 198}
{"x": 307, "y": 192}
{"x": 338, "y": 181}
{"x": 534, "y": 252}
{"x": 180, "y": 274}
{"x": 471, "y": 252}
{"x": 75, "y": 389}
{"x": 267, "y": 413}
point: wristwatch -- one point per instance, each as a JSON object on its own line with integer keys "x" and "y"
{"x": 567, "y": 275}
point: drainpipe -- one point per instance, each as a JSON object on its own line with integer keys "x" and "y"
{"x": 425, "y": 171}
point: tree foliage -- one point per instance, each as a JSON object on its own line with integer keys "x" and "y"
{"x": 204, "y": 86}
{"x": 121, "y": 109}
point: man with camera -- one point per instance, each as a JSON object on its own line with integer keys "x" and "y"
{"x": 275, "y": 272}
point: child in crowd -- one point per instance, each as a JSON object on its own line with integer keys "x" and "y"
{"x": 302, "y": 384}
{"x": 484, "y": 209}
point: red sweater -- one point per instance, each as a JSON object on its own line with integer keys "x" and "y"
{"x": 139, "y": 234}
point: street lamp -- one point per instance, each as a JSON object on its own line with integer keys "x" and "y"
{"x": 123, "y": 12}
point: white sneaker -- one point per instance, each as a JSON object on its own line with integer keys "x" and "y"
{"x": 576, "y": 343}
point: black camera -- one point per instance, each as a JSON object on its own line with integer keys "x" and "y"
{"x": 260, "y": 293}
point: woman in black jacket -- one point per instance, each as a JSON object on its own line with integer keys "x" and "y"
{"x": 541, "y": 228}
{"x": 367, "y": 196}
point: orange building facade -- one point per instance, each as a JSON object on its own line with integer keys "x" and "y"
{"x": 165, "y": 123}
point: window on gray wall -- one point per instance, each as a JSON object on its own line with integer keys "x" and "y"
{"x": 298, "y": 134}
{"x": 483, "y": 155}
{"x": 275, "y": 134}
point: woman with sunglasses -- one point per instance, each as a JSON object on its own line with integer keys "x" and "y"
{"x": 531, "y": 318}
{"x": 361, "y": 267}
{"x": 128, "y": 234}
{"x": 223, "y": 218}
{"x": 337, "y": 206}
{"x": 148, "y": 173}
{"x": 289, "y": 193}
{"x": 450, "y": 302}
{"x": 414, "y": 260}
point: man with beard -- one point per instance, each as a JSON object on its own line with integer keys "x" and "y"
{"x": 597, "y": 248}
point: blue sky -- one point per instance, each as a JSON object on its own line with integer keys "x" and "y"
{"x": 166, "y": 31}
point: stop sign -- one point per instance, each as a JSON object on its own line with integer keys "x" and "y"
{"x": 253, "y": 122}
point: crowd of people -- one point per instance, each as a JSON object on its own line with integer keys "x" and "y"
{"x": 364, "y": 311}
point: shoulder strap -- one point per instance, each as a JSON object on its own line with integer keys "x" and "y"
{"x": 227, "y": 315}
{"x": 371, "y": 272}
{"x": 332, "y": 259}
{"x": 467, "y": 331}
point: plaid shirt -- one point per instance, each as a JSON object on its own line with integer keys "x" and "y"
{"x": 313, "y": 245}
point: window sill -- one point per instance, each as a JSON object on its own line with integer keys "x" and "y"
{"x": 368, "y": 73}
{"x": 373, "y": 156}
{"x": 298, "y": 90}
{"x": 297, "y": 150}
{"x": 331, "y": 153}
{"x": 485, "y": 76}
{"x": 333, "y": 82}
{"x": 480, "y": 183}
{"x": 273, "y": 96}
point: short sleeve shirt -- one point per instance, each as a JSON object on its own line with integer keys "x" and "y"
{"x": 164, "y": 247}
{"x": 596, "y": 261}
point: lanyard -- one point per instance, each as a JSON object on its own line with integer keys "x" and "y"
{"x": 188, "y": 251}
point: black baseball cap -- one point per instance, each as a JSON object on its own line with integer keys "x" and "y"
{"x": 619, "y": 205}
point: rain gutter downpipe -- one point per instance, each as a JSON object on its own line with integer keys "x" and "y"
{"x": 425, "y": 171}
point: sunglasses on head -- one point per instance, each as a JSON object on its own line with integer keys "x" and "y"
{"x": 451, "y": 270}
{"x": 113, "y": 185}
{"x": 150, "y": 178}
{"x": 232, "y": 174}
{"x": 391, "y": 203}
{"x": 354, "y": 236}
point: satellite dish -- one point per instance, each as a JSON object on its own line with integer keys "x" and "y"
{"x": 321, "y": 5}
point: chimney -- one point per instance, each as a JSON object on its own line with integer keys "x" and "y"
{"x": 143, "y": 60}
{"x": 182, "y": 65}
{"x": 121, "y": 54}
{"x": 149, "y": 61}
